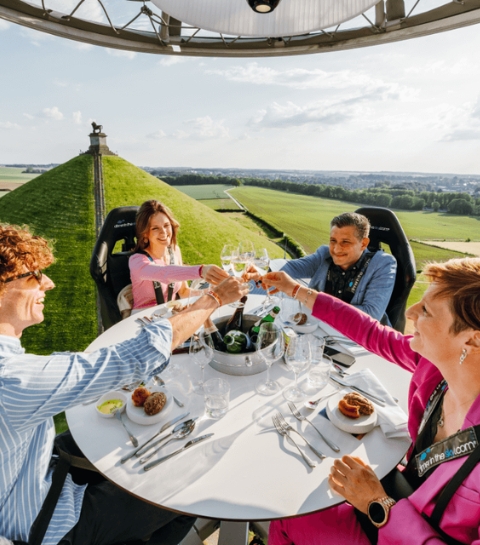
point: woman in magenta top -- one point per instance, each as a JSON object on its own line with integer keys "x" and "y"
{"x": 158, "y": 258}
{"x": 443, "y": 356}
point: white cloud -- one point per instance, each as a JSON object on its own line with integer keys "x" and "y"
{"x": 120, "y": 53}
{"x": 157, "y": 135}
{"x": 8, "y": 125}
{"x": 180, "y": 135}
{"x": 60, "y": 83}
{"x": 53, "y": 113}
{"x": 171, "y": 60}
{"x": 28, "y": 116}
{"x": 77, "y": 117}
{"x": 206, "y": 127}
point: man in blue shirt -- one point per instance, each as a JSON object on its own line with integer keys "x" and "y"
{"x": 35, "y": 388}
{"x": 346, "y": 269}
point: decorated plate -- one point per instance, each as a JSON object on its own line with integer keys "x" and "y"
{"x": 363, "y": 424}
{"x": 139, "y": 416}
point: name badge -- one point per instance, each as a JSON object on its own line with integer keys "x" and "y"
{"x": 460, "y": 444}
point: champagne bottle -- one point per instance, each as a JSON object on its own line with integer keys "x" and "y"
{"x": 211, "y": 329}
{"x": 236, "y": 320}
{"x": 270, "y": 317}
{"x": 237, "y": 342}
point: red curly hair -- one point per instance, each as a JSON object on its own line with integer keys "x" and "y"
{"x": 20, "y": 249}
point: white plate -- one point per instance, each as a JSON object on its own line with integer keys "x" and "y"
{"x": 364, "y": 424}
{"x": 139, "y": 416}
{"x": 308, "y": 327}
{"x": 113, "y": 394}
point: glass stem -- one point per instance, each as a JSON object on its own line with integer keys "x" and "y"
{"x": 202, "y": 380}
{"x": 296, "y": 381}
{"x": 268, "y": 375}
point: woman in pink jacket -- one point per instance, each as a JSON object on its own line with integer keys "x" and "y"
{"x": 443, "y": 356}
{"x": 157, "y": 258}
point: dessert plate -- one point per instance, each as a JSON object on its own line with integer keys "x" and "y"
{"x": 139, "y": 416}
{"x": 364, "y": 424}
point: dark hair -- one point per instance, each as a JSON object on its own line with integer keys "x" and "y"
{"x": 142, "y": 222}
{"x": 20, "y": 249}
{"x": 459, "y": 281}
{"x": 358, "y": 221}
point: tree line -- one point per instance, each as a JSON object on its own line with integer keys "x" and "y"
{"x": 382, "y": 195}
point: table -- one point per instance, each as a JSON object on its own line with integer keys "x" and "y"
{"x": 245, "y": 472}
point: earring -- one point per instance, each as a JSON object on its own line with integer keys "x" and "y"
{"x": 463, "y": 355}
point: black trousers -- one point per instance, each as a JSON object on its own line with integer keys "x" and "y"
{"x": 111, "y": 516}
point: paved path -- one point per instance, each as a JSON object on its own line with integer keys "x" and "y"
{"x": 472, "y": 248}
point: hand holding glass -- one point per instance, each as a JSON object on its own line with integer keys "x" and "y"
{"x": 297, "y": 359}
{"x": 201, "y": 349}
{"x": 270, "y": 347}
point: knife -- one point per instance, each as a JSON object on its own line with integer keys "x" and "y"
{"x": 359, "y": 390}
{"x": 162, "y": 429}
{"x": 166, "y": 436}
{"x": 185, "y": 447}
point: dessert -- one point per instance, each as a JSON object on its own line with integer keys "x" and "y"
{"x": 354, "y": 405}
{"x": 140, "y": 395}
{"x": 300, "y": 318}
{"x": 154, "y": 403}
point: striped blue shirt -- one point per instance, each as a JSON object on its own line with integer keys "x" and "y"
{"x": 35, "y": 388}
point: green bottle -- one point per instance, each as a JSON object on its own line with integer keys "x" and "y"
{"x": 270, "y": 317}
{"x": 237, "y": 342}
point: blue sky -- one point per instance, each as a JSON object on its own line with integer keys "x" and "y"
{"x": 409, "y": 106}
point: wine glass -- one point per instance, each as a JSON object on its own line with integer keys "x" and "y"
{"x": 246, "y": 250}
{"x": 226, "y": 256}
{"x": 239, "y": 264}
{"x": 321, "y": 365}
{"x": 270, "y": 346}
{"x": 261, "y": 261}
{"x": 297, "y": 359}
{"x": 201, "y": 348}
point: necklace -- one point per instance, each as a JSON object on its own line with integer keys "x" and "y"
{"x": 441, "y": 420}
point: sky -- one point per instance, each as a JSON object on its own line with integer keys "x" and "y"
{"x": 409, "y": 106}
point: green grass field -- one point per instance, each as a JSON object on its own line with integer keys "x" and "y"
{"x": 11, "y": 174}
{"x": 201, "y": 192}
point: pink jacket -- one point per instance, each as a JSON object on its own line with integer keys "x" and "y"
{"x": 143, "y": 272}
{"x": 461, "y": 519}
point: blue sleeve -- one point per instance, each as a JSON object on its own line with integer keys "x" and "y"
{"x": 380, "y": 279}
{"x": 305, "y": 267}
{"x": 34, "y": 388}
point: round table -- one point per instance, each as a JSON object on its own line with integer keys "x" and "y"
{"x": 246, "y": 471}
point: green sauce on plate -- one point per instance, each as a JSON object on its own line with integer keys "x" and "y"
{"x": 110, "y": 406}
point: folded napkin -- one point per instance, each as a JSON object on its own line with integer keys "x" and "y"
{"x": 391, "y": 418}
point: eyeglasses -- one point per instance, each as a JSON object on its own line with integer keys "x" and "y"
{"x": 37, "y": 274}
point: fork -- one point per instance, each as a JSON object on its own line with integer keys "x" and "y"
{"x": 161, "y": 382}
{"x": 285, "y": 433}
{"x": 286, "y": 426}
{"x": 296, "y": 413}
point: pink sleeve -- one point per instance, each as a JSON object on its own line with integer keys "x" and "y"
{"x": 141, "y": 268}
{"x": 366, "y": 331}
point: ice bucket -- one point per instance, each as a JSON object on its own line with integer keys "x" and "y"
{"x": 249, "y": 363}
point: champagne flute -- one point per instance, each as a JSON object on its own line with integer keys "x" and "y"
{"x": 226, "y": 256}
{"x": 270, "y": 346}
{"x": 201, "y": 349}
{"x": 297, "y": 359}
{"x": 239, "y": 264}
{"x": 261, "y": 262}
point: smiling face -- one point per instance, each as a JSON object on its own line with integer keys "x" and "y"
{"x": 22, "y": 303}
{"x": 345, "y": 246}
{"x": 433, "y": 336}
{"x": 160, "y": 230}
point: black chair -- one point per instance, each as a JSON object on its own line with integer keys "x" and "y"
{"x": 109, "y": 262}
{"x": 385, "y": 228}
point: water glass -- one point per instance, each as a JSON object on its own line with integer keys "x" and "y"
{"x": 217, "y": 397}
{"x": 201, "y": 349}
{"x": 297, "y": 359}
{"x": 270, "y": 347}
{"x": 319, "y": 371}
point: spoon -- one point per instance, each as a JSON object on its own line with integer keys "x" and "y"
{"x": 160, "y": 382}
{"x": 177, "y": 428}
{"x": 181, "y": 433}
{"x": 313, "y": 404}
{"x": 118, "y": 415}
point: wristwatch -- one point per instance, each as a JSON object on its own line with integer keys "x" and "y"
{"x": 379, "y": 509}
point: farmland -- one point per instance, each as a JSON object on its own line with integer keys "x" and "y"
{"x": 10, "y": 174}
{"x": 203, "y": 192}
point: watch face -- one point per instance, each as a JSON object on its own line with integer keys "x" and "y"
{"x": 376, "y": 512}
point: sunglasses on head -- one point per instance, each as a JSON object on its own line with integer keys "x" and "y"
{"x": 37, "y": 274}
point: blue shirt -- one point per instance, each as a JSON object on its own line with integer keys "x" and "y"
{"x": 35, "y": 388}
{"x": 374, "y": 289}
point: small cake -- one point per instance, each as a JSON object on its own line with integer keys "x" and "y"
{"x": 300, "y": 318}
{"x": 154, "y": 403}
{"x": 354, "y": 405}
{"x": 140, "y": 395}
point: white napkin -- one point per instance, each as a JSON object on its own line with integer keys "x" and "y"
{"x": 391, "y": 418}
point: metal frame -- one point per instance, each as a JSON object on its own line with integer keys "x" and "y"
{"x": 171, "y": 37}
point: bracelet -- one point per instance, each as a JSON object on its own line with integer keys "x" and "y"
{"x": 215, "y": 297}
{"x": 200, "y": 271}
{"x": 295, "y": 291}
{"x": 309, "y": 292}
